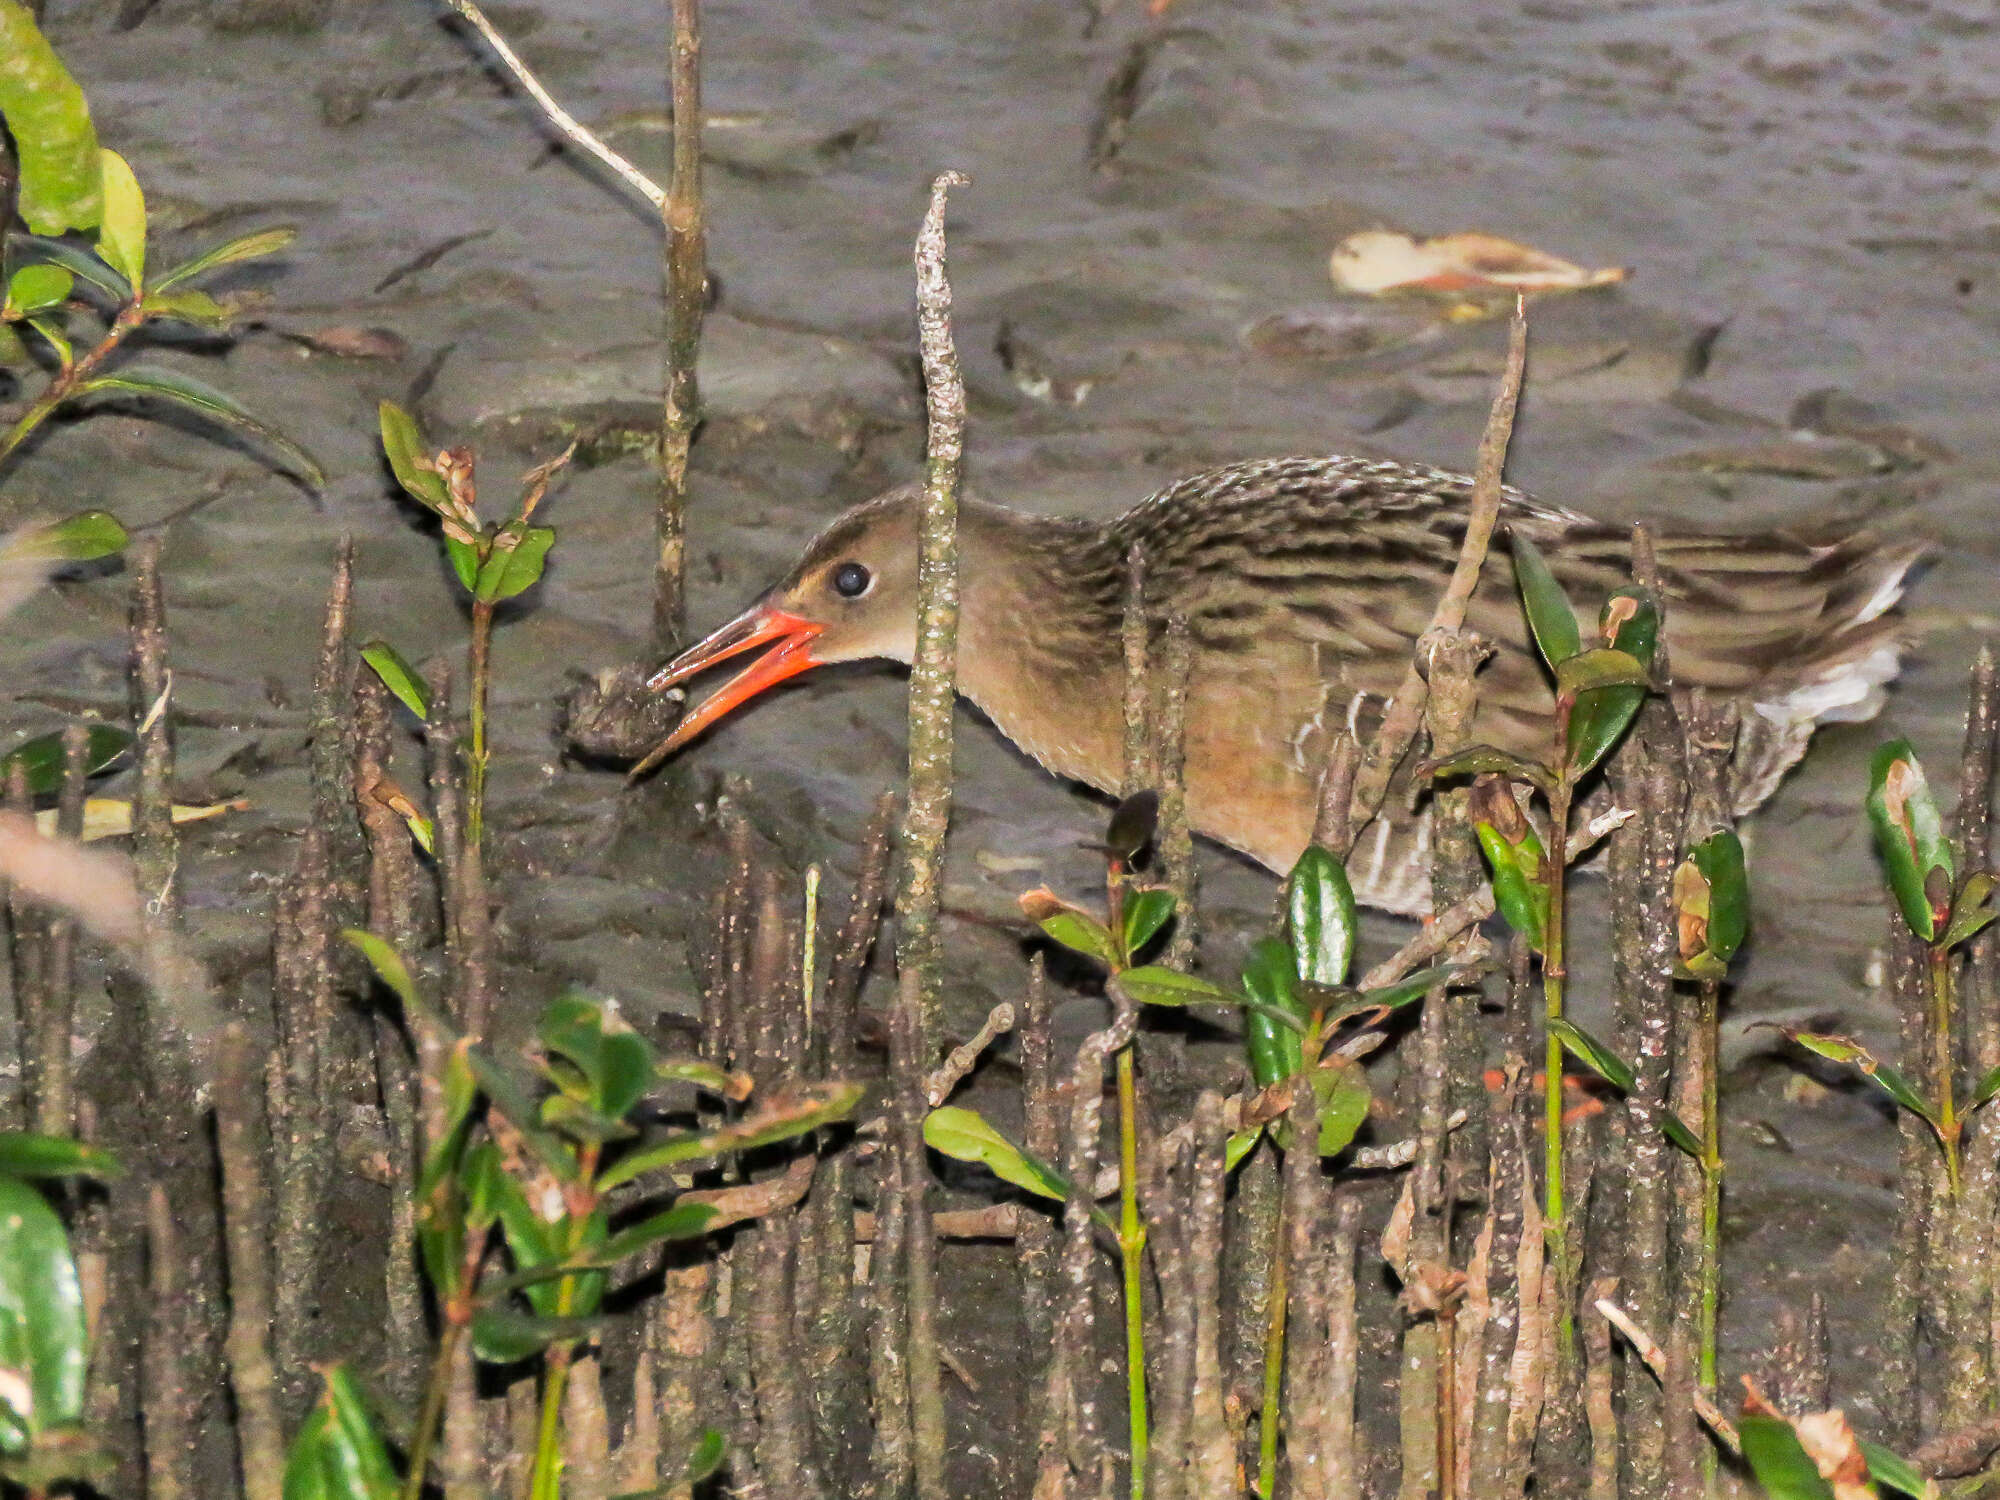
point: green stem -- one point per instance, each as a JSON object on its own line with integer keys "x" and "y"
{"x": 480, "y": 659}
{"x": 64, "y": 385}
{"x": 432, "y": 1411}
{"x": 1274, "y": 1366}
{"x": 547, "y": 1481}
{"x": 1941, "y": 1016}
{"x": 1132, "y": 1251}
{"x": 1554, "y": 974}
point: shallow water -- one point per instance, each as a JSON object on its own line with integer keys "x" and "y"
{"x": 1808, "y": 195}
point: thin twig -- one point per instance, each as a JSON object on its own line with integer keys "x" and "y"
{"x": 687, "y": 299}
{"x": 1656, "y": 1361}
{"x": 1406, "y": 709}
{"x": 571, "y": 128}
{"x": 960, "y": 1060}
{"x": 1436, "y": 936}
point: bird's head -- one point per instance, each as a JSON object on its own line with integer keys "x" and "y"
{"x": 852, "y": 595}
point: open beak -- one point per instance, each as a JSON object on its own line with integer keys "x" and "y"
{"x": 760, "y": 625}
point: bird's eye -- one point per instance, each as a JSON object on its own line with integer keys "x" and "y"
{"x": 851, "y": 580}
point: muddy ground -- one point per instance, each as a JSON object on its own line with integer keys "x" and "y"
{"x": 1808, "y": 195}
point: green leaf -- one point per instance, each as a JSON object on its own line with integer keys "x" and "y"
{"x": 1276, "y": 1051}
{"x": 84, "y": 537}
{"x": 706, "y": 1457}
{"x": 1481, "y": 760}
{"x": 1604, "y": 708}
{"x": 121, "y": 234}
{"x": 359, "y": 1449}
{"x": 1150, "y": 984}
{"x": 1779, "y": 1463}
{"x": 189, "y": 305}
{"x": 515, "y": 564}
{"x": 504, "y": 1335}
{"x": 1343, "y": 1104}
{"x": 1844, "y": 1049}
{"x": 1082, "y": 933}
{"x": 1320, "y": 917}
{"x": 37, "y": 287}
{"x": 965, "y": 1135}
{"x": 1239, "y": 1146}
{"x": 55, "y": 145}
{"x": 615, "y": 1060}
{"x": 684, "y": 1221}
{"x": 392, "y": 971}
{"x": 23, "y": 1153}
{"x": 403, "y": 446}
{"x": 399, "y": 677}
{"x": 807, "y": 1108}
{"x": 85, "y": 268}
{"x": 1675, "y": 1129}
{"x": 1972, "y": 912}
{"x": 1599, "y": 668}
{"x": 244, "y": 247}
{"x": 1593, "y": 1054}
{"x": 460, "y": 1091}
{"x": 1548, "y": 609}
{"x": 705, "y": 1076}
{"x": 1988, "y": 1087}
{"x": 1896, "y": 1472}
{"x": 1520, "y": 895}
{"x": 43, "y": 1341}
{"x": 42, "y": 757}
{"x": 1405, "y": 991}
{"x": 13, "y": 353}
{"x": 192, "y": 395}
{"x": 464, "y": 561}
{"x": 1146, "y": 912}
{"x": 1909, "y": 834}
{"x": 1719, "y": 857}
{"x": 57, "y": 342}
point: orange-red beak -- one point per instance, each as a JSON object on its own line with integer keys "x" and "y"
{"x": 757, "y": 626}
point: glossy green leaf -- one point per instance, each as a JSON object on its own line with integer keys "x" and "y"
{"x": 1909, "y": 834}
{"x": 1520, "y": 895}
{"x": 392, "y": 971}
{"x": 42, "y": 757}
{"x": 1343, "y": 1104}
{"x": 1240, "y": 1145}
{"x": 1146, "y": 912}
{"x": 43, "y": 1341}
{"x": 706, "y": 1076}
{"x": 1972, "y": 912}
{"x": 1593, "y": 1054}
{"x": 965, "y": 1135}
{"x": 404, "y": 447}
{"x": 806, "y": 1108}
{"x": 399, "y": 677}
{"x": 1082, "y": 933}
{"x": 1610, "y": 685}
{"x": 1483, "y": 760}
{"x": 84, "y": 267}
{"x": 1780, "y": 1465}
{"x": 192, "y": 395}
{"x": 684, "y": 1221}
{"x": 615, "y": 1060}
{"x": 84, "y": 537}
{"x": 250, "y": 246}
{"x": 1548, "y": 609}
{"x": 1892, "y": 1471}
{"x": 1987, "y": 1088}
{"x": 36, "y": 287}
{"x": 1276, "y": 1051}
{"x": 1675, "y": 1129}
{"x": 1320, "y": 916}
{"x": 54, "y": 335}
{"x": 1719, "y": 857}
{"x": 1405, "y": 991}
{"x": 519, "y": 1110}
{"x": 504, "y": 1335}
{"x": 189, "y": 305}
{"x": 121, "y": 233}
{"x": 23, "y": 1153}
{"x": 1844, "y": 1049}
{"x": 464, "y": 558}
{"x": 1150, "y": 984}
{"x": 515, "y": 564}
{"x": 55, "y": 145}
{"x": 1599, "y": 668}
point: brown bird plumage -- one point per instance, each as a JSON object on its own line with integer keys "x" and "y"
{"x": 1305, "y": 583}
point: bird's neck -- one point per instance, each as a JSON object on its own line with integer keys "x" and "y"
{"x": 1039, "y": 648}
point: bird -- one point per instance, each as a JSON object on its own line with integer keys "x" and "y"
{"x": 1305, "y": 583}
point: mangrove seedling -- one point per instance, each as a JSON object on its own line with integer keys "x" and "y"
{"x": 70, "y": 184}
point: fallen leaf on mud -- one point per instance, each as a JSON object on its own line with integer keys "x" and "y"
{"x": 1381, "y": 260}
{"x": 1789, "y": 458}
{"x": 349, "y": 341}
{"x": 111, "y": 817}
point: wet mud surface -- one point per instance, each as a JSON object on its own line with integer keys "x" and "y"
{"x": 1808, "y": 195}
